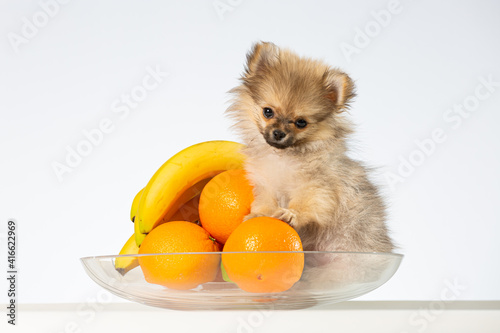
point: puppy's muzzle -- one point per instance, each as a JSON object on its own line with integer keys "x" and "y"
{"x": 279, "y": 139}
{"x": 278, "y": 135}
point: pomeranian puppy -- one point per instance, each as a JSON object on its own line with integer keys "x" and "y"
{"x": 289, "y": 111}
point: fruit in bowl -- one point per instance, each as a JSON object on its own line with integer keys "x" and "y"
{"x": 267, "y": 272}
{"x": 224, "y": 202}
{"x": 179, "y": 271}
{"x": 196, "y": 202}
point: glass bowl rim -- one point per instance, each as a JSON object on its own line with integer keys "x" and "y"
{"x": 389, "y": 254}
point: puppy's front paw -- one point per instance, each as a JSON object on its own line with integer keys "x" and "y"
{"x": 286, "y": 215}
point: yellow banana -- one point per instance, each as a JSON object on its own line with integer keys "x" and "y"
{"x": 139, "y": 236}
{"x": 162, "y": 194}
{"x": 182, "y": 209}
{"x": 135, "y": 204}
{"x": 125, "y": 264}
{"x": 185, "y": 197}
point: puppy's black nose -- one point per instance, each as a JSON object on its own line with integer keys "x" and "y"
{"x": 278, "y": 135}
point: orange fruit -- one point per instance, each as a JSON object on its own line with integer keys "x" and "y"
{"x": 224, "y": 202}
{"x": 179, "y": 271}
{"x": 263, "y": 272}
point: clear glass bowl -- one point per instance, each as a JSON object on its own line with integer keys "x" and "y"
{"x": 327, "y": 278}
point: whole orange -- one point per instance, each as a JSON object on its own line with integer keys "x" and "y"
{"x": 179, "y": 271}
{"x": 224, "y": 202}
{"x": 263, "y": 272}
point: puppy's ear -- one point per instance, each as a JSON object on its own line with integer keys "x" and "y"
{"x": 262, "y": 55}
{"x": 339, "y": 88}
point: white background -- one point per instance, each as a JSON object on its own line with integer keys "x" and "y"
{"x": 65, "y": 78}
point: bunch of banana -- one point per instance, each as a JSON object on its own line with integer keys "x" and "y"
{"x": 173, "y": 191}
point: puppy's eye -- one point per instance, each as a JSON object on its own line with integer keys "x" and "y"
{"x": 300, "y": 123}
{"x": 268, "y": 113}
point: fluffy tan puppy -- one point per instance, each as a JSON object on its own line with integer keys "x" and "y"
{"x": 289, "y": 111}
